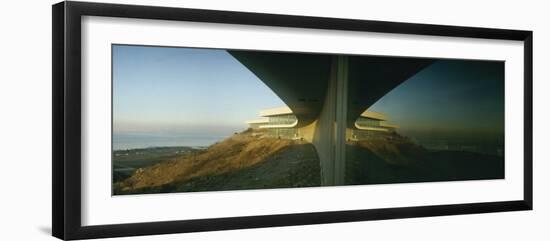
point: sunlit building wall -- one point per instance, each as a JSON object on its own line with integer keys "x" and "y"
{"x": 281, "y": 123}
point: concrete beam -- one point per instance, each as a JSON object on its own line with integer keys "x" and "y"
{"x": 299, "y": 79}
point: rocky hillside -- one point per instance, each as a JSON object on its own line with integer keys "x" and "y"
{"x": 395, "y": 159}
{"x": 239, "y": 162}
{"x": 248, "y": 161}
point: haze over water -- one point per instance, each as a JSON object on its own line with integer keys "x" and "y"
{"x": 138, "y": 141}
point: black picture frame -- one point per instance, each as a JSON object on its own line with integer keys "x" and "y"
{"x": 66, "y": 76}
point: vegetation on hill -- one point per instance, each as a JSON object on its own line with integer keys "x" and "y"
{"x": 125, "y": 162}
{"x": 242, "y": 161}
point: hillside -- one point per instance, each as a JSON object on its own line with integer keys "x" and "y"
{"x": 239, "y": 162}
{"x": 248, "y": 161}
{"x": 395, "y": 159}
{"x": 125, "y": 162}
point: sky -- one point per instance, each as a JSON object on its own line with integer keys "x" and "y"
{"x": 450, "y": 98}
{"x": 163, "y": 90}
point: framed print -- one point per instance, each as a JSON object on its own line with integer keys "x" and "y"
{"x": 160, "y": 115}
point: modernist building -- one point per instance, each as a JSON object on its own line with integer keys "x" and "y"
{"x": 370, "y": 124}
{"x": 281, "y": 123}
{"x": 277, "y": 122}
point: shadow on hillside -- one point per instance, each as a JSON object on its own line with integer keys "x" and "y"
{"x": 371, "y": 164}
{"x": 376, "y": 161}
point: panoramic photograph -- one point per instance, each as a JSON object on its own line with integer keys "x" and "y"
{"x": 197, "y": 119}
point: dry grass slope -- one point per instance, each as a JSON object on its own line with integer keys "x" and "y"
{"x": 237, "y": 152}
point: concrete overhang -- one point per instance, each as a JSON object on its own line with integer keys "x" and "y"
{"x": 371, "y": 128}
{"x": 374, "y": 115}
{"x": 387, "y": 125}
{"x": 301, "y": 79}
{"x": 372, "y": 77}
{"x": 276, "y": 111}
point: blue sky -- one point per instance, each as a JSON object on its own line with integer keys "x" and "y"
{"x": 449, "y": 98}
{"x": 184, "y": 91}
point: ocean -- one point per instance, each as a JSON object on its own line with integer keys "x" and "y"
{"x": 135, "y": 141}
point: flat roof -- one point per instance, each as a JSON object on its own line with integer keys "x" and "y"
{"x": 285, "y": 111}
{"x": 374, "y": 115}
{"x": 387, "y": 125}
{"x": 276, "y": 111}
{"x": 257, "y": 121}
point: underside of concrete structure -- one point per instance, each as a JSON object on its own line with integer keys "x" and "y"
{"x": 327, "y": 93}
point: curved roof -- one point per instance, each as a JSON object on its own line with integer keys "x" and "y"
{"x": 301, "y": 79}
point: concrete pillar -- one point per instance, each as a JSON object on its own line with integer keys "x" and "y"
{"x": 330, "y": 128}
{"x": 341, "y": 116}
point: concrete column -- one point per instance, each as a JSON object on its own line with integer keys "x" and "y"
{"x": 341, "y": 122}
{"x": 330, "y": 128}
